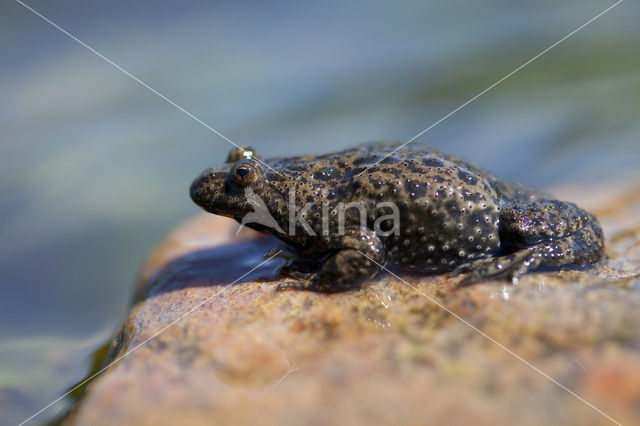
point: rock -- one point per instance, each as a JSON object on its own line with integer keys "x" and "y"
{"x": 203, "y": 351}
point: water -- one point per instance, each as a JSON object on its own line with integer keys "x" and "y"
{"x": 95, "y": 169}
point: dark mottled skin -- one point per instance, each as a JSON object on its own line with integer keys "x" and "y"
{"x": 453, "y": 216}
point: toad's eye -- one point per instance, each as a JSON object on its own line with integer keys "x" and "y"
{"x": 242, "y": 171}
{"x": 245, "y": 173}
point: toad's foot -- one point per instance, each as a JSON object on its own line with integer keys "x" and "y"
{"x": 345, "y": 270}
{"x": 510, "y": 267}
{"x": 356, "y": 257}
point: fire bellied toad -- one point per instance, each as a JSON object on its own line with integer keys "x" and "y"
{"x": 420, "y": 210}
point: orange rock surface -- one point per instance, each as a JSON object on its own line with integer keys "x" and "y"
{"x": 205, "y": 349}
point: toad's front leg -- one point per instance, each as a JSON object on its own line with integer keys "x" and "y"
{"x": 355, "y": 258}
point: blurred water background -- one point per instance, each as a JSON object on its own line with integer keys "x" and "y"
{"x": 95, "y": 169}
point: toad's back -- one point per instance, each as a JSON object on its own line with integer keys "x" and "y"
{"x": 449, "y": 210}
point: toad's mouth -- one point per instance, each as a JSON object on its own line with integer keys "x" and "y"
{"x": 208, "y": 191}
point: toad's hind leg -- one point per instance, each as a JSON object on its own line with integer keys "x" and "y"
{"x": 546, "y": 234}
